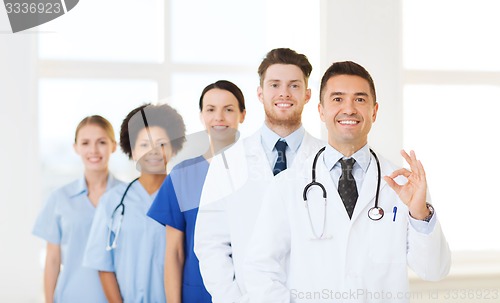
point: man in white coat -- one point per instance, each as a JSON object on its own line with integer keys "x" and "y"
{"x": 339, "y": 250}
{"x": 237, "y": 178}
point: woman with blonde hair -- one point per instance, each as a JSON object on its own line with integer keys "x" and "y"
{"x": 66, "y": 217}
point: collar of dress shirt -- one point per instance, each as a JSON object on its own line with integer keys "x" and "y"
{"x": 362, "y": 157}
{"x": 293, "y": 140}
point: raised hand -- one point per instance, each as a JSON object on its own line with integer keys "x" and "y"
{"x": 412, "y": 193}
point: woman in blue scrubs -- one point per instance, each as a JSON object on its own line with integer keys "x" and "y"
{"x": 222, "y": 109}
{"x": 126, "y": 246}
{"x": 66, "y": 218}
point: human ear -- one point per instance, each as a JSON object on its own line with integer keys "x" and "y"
{"x": 260, "y": 94}
{"x": 321, "y": 113}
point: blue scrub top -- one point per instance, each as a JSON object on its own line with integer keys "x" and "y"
{"x": 177, "y": 206}
{"x": 65, "y": 220}
{"x": 138, "y": 258}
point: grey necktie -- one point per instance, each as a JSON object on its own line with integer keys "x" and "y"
{"x": 347, "y": 185}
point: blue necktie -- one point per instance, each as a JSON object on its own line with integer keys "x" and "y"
{"x": 347, "y": 185}
{"x": 281, "y": 161}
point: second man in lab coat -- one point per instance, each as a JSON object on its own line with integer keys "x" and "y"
{"x": 238, "y": 178}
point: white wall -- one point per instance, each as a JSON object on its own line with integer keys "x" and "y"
{"x": 365, "y": 31}
{"x": 369, "y": 33}
{"x": 20, "y": 169}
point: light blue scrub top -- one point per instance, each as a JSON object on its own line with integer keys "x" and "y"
{"x": 65, "y": 220}
{"x": 139, "y": 255}
{"x": 177, "y": 206}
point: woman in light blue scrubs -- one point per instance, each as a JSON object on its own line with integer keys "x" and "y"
{"x": 66, "y": 218}
{"x": 222, "y": 109}
{"x": 126, "y": 246}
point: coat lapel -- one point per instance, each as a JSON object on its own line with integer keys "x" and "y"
{"x": 256, "y": 157}
{"x": 308, "y": 149}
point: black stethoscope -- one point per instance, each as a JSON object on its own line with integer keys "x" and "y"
{"x": 112, "y": 245}
{"x": 375, "y": 213}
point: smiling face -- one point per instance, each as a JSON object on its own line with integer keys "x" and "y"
{"x": 284, "y": 93}
{"x": 95, "y": 147}
{"x": 152, "y": 153}
{"x": 221, "y": 115}
{"x": 348, "y": 110}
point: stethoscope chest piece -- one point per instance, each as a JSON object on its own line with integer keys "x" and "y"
{"x": 375, "y": 213}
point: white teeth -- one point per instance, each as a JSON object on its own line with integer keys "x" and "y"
{"x": 154, "y": 160}
{"x": 349, "y": 122}
{"x": 283, "y": 105}
{"x": 219, "y": 127}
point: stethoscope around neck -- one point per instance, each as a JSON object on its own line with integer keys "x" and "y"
{"x": 375, "y": 213}
{"x": 112, "y": 245}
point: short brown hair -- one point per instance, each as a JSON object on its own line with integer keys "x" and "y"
{"x": 285, "y": 56}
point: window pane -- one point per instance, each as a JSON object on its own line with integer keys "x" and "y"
{"x": 217, "y": 31}
{"x": 111, "y": 30}
{"x": 457, "y": 142}
{"x": 451, "y": 35}
{"x": 64, "y": 103}
{"x": 187, "y": 88}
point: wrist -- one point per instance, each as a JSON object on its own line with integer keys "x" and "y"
{"x": 424, "y": 214}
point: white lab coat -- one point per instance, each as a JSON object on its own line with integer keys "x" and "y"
{"x": 229, "y": 206}
{"x": 363, "y": 261}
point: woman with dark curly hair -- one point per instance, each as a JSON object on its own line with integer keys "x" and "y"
{"x": 126, "y": 246}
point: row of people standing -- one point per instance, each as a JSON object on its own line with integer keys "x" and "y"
{"x": 139, "y": 260}
{"x": 101, "y": 245}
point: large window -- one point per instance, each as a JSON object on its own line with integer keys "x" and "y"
{"x": 167, "y": 51}
{"x": 158, "y": 51}
{"x": 451, "y": 98}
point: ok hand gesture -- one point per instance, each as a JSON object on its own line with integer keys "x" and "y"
{"x": 413, "y": 193}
